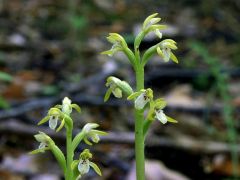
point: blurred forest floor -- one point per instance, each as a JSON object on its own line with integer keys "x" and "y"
{"x": 50, "y": 49}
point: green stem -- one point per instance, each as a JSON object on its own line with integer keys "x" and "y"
{"x": 139, "y": 137}
{"x": 146, "y": 126}
{"x": 69, "y": 173}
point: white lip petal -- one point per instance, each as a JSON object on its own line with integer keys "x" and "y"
{"x": 53, "y": 122}
{"x": 141, "y": 101}
{"x": 161, "y": 116}
{"x": 42, "y": 145}
{"x": 66, "y": 105}
{"x": 83, "y": 166}
{"x": 166, "y": 54}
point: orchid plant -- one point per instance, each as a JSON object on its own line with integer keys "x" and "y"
{"x": 143, "y": 98}
{"x": 58, "y": 117}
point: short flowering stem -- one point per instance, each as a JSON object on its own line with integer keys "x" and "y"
{"x": 69, "y": 174}
{"x": 139, "y": 122}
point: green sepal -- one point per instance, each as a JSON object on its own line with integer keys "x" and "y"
{"x": 151, "y": 112}
{"x": 169, "y": 41}
{"x": 174, "y": 58}
{"x": 74, "y": 164}
{"x": 55, "y": 112}
{"x": 76, "y": 107}
{"x": 159, "y": 51}
{"x": 149, "y": 93}
{"x": 160, "y": 103}
{"x": 156, "y": 27}
{"x": 168, "y": 45}
{"x": 107, "y": 95}
{"x": 77, "y": 139}
{"x": 171, "y": 120}
{"x": 44, "y": 120}
{"x": 101, "y": 133}
{"x": 43, "y": 137}
{"x": 96, "y": 168}
{"x": 125, "y": 87}
{"x": 117, "y": 87}
{"x": 138, "y": 40}
{"x": 61, "y": 125}
{"x": 108, "y": 52}
{"x": 74, "y": 167}
{"x": 36, "y": 151}
{"x": 58, "y": 106}
{"x": 148, "y": 19}
{"x": 135, "y": 94}
{"x": 87, "y": 141}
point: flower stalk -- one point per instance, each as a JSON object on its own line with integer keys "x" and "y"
{"x": 143, "y": 98}
{"x": 139, "y": 136}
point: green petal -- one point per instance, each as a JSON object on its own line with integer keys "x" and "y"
{"x": 36, "y": 151}
{"x": 157, "y": 26}
{"x": 54, "y": 112}
{"x": 96, "y": 168}
{"x": 169, "y": 41}
{"x": 61, "y": 125}
{"x": 107, "y": 95}
{"x": 87, "y": 141}
{"x": 160, "y": 103}
{"x": 174, "y": 58}
{"x": 150, "y": 114}
{"x": 101, "y": 133}
{"x": 44, "y": 120}
{"x": 108, "y": 52}
{"x": 148, "y": 19}
{"x": 58, "y": 106}
{"x": 74, "y": 164}
{"x": 159, "y": 51}
{"x": 76, "y": 107}
{"x": 171, "y": 120}
{"x": 134, "y": 95}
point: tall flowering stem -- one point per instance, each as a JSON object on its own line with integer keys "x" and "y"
{"x": 143, "y": 98}
{"x": 139, "y": 122}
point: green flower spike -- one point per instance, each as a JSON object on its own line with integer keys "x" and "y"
{"x": 90, "y": 132}
{"x": 150, "y": 25}
{"x": 117, "y": 88}
{"x": 164, "y": 50}
{"x": 118, "y": 42}
{"x": 44, "y": 140}
{"x": 59, "y": 112}
{"x": 156, "y": 111}
{"x": 83, "y": 164}
{"x": 141, "y": 98}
